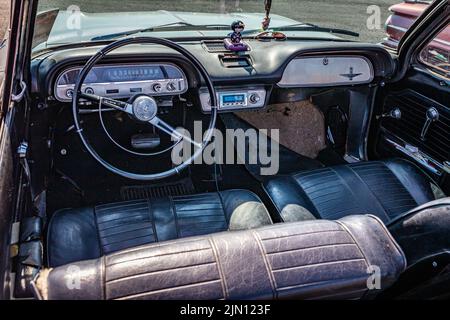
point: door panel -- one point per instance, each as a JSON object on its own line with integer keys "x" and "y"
{"x": 6, "y": 188}
{"x": 410, "y": 128}
{"x": 413, "y": 113}
{"x": 414, "y": 96}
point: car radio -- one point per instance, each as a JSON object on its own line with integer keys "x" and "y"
{"x": 230, "y": 100}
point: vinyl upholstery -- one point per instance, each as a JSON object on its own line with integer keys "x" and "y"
{"x": 316, "y": 259}
{"x": 88, "y": 233}
{"x": 382, "y": 188}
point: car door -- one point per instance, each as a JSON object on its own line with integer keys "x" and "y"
{"x": 10, "y": 31}
{"x": 413, "y": 109}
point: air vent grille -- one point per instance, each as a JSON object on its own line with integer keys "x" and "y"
{"x": 180, "y": 188}
{"x": 215, "y": 46}
{"x": 413, "y": 107}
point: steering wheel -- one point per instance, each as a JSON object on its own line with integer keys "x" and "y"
{"x": 143, "y": 109}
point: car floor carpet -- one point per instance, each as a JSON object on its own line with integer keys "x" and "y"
{"x": 289, "y": 161}
{"x": 301, "y": 125}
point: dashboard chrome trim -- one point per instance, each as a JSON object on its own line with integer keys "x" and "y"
{"x": 326, "y": 71}
{"x": 124, "y": 88}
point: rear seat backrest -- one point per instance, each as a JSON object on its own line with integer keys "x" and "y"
{"x": 311, "y": 260}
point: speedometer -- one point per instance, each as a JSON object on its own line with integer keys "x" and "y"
{"x": 126, "y": 74}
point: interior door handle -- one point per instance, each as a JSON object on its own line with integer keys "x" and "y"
{"x": 432, "y": 115}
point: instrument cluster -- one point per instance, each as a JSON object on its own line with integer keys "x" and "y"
{"x": 124, "y": 81}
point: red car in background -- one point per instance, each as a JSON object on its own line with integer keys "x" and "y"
{"x": 437, "y": 53}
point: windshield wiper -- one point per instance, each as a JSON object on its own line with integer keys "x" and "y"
{"x": 306, "y": 27}
{"x": 176, "y": 26}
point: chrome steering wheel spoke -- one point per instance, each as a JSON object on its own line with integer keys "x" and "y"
{"x": 168, "y": 129}
{"x": 108, "y": 102}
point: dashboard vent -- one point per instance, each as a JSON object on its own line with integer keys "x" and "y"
{"x": 414, "y": 107}
{"x": 215, "y": 46}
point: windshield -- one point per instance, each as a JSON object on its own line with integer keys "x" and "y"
{"x": 62, "y": 22}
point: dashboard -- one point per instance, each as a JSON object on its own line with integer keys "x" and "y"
{"x": 243, "y": 81}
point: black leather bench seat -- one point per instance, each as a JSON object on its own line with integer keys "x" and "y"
{"x": 382, "y": 188}
{"x": 309, "y": 260}
{"x": 89, "y": 233}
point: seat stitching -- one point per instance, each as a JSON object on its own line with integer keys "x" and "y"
{"x": 158, "y": 256}
{"x": 135, "y": 215}
{"x": 333, "y": 245}
{"x": 149, "y": 292}
{"x": 119, "y": 205}
{"x": 266, "y": 264}
{"x": 306, "y": 284}
{"x": 381, "y": 203}
{"x": 358, "y": 246}
{"x": 139, "y": 222}
{"x": 301, "y": 234}
{"x": 324, "y": 263}
{"x": 124, "y": 232}
{"x": 152, "y": 219}
{"x": 174, "y": 212}
{"x": 223, "y": 209}
{"x": 272, "y": 202}
{"x": 354, "y": 240}
{"x": 103, "y": 276}
{"x": 219, "y": 268}
{"x": 129, "y": 239}
{"x": 401, "y": 183}
{"x": 143, "y": 274}
{"x": 371, "y": 192}
{"x": 305, "y": 197}
{"x": 98, "y": 232}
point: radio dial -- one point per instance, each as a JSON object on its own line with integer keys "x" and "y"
{"x": 255, "y": 98}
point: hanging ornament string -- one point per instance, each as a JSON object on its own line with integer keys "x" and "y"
{"x": 266, "y": 21}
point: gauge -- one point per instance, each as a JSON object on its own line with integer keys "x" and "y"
{"x": 126, "y": 74}
{"x": 71, "y": 77}
{"x": 124, "y": 81}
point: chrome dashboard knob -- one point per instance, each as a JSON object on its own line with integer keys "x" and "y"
{"x": 171, "y": 86}
{"x": 255, "y": 98}
{"x": 395, "y": 113}
{"x": 157, "y": 87}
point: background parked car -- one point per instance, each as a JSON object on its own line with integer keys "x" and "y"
{"x": 437, "y": 53}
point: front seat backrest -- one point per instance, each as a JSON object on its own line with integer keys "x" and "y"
{"x": 311, "y": 259}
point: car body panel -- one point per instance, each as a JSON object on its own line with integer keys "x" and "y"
{"x": 403, "y": 16}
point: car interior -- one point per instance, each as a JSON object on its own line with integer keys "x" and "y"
{"x": 362, "y": 189}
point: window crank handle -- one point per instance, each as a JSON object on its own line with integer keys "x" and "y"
{"x": 432, "y": 116}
